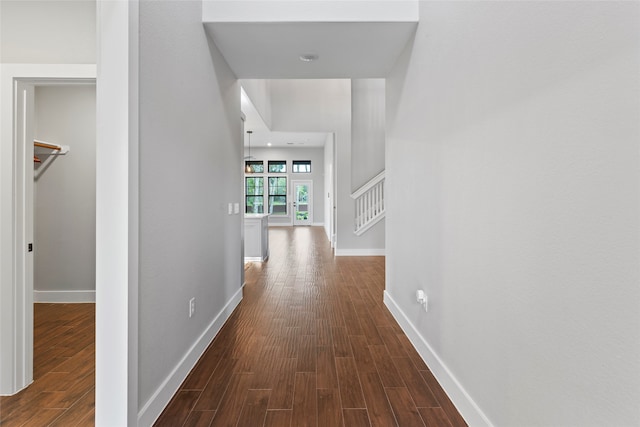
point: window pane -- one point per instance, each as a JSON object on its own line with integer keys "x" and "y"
{"x": 302, "y": 166}
{"x": 277, "y": 166}
{"x": 254, "y": 186}
{"x": 254, "y": 166}
{"x": 277, "y": 195}
{"x": 254, "y": 204}
{"x": 278, "y": 205}
{"x": 277, "y": 186}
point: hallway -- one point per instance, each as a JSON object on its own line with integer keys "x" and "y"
{"x": 311, "y": 344}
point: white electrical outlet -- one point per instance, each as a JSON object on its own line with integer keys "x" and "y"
{"x": 421, "y": 297}
{"x": 192, "y": 307}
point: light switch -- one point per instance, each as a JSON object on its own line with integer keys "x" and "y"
{"x": 230, "y": 208}
{"x": 236, "y": 208}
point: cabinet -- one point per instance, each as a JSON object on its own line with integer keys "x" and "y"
{"x": 256, "y": 237}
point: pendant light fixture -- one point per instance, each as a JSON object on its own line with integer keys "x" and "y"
{"x": 248, "y": 168}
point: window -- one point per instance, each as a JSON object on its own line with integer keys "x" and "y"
{"x": 277, "y": 166}
{"x": 301, "y": 166}
{"x": 254, "y": 166}
{"x": 277, "y": 195}
{"x": 254, "y": 195}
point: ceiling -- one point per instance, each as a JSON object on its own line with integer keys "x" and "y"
{"x": 262, "y": 136}
{"x": 272, "y": 50}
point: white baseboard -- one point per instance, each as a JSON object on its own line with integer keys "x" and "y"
{"x": 360, "y": 252}
{"x": 469, "y": 410}
{"x": 318, "y": 224}
{"x": 64, "y": 296}
{"x": 159, "y": 400}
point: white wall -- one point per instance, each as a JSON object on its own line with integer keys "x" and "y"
{"x": 329, "y": 172}
{"x": 316, "y": 11}
{"x": 190, "y": 169}
{"x": 48, "y": 32}
{"x": 259, "y": 92}
{"x": 316, "y": 155}
{"x": 513, "y": 134}
{"x": 65, "y": 192}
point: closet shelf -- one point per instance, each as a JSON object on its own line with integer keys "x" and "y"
{"x": 57, "y": 149}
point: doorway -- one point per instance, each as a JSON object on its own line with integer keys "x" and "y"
{"x": 302, "y": 202}
{"x": 18, "y": 138}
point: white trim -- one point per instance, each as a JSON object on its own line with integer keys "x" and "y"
{"x": 64, "y": 296}
{"x": 318, "y": 224}
{"x": 469, "y": 410}
{"x": 281, "y": 224}
{"x": 255, "y": 259}
{"x": 12, "y": 310}
{"x": 360, "y": 252}
{"x": 161, "y": 397}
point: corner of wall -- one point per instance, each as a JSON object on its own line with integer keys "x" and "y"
{"x": 469, "y": 410}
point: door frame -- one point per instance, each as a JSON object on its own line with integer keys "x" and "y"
{"x": 309, "y": 184}
{"x": 16, "y": 290}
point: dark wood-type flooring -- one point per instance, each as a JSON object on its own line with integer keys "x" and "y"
{"x": 311, "y": 344}
{"x": 62, "y": 393}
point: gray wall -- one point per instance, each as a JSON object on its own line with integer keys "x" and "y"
{"x": 367, "y": 130}
{"x": 513, "y": 132}
{"x": 190, "y": 168}
{"x": 65, "y": 190}
{"x": 325, "y": 106}
{"x": 316, "y": 155}
{"x": 368, "y": 143}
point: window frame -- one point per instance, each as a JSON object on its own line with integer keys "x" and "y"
{"x": 249, "y": 170}
{"x": 271, "y": 195}
{"x": 295, "y": 163}
{"x": 276, "y": 163}
{"x": 253, "y": 196}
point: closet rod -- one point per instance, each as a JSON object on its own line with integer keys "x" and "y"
{"x": 43, "y": 144}
{"x": 57, "y": 149}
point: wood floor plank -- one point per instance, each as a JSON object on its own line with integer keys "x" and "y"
{"x": 278, "y": 418}
{"x": 254, "y": 409}
{"x": 177, "y": 412}
{"x": 362, "y": 354}
{"x": 199, "y": 419}
{"x": 212, "y": 394}
{"x": 77, "y": 411}
{"x": 329, "y": 409}
{"x": 434, "y": 417}
{"x": 307, "y": 354}
{"x": 350, "y": 389}
{"x": 403, "y": 407}
{"x": 283, "y": 383}
{"x": 356, "y": 418}
{"x": 232, "y": 402}
{"x": 386, "y": 368}
{"x": 415, "y": 383}
{"x": 305, "y": 407}
{"x": 326, "y": 367}
{"x": 453, "y": 415}
{"x": 380, "y": 413}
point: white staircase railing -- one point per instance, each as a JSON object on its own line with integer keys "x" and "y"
{"x": 369, "y": 204}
